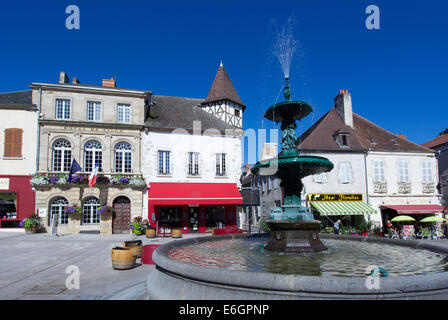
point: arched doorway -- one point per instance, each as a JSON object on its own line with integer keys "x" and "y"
{"x": 122, "y": 215}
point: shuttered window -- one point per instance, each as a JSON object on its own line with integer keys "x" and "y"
{"x": 13, "y": 143}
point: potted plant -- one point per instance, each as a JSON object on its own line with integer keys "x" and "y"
{"x": 136, "y": 226}
{"x": 31, "y": 224}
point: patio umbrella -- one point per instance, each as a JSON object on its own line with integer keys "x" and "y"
{"x": 432, "y": 219}
{"x": 402, "y": 219}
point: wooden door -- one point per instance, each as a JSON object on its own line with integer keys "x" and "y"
{"x": 121, "y": 216}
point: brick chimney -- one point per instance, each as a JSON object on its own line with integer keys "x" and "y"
{"x": 343, "y": 104}
{"x": 63, "y": 78}
{"x": 109, "y": 82}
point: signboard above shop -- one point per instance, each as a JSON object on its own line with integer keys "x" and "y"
{"x": 335, "y": 197}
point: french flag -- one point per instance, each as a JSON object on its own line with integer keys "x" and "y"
{"x": 93, "y": 176}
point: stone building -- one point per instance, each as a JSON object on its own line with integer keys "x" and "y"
{"x": 379, "y": 169}
{"x": 92, "y": 125}
{"x": 440, "y": 145}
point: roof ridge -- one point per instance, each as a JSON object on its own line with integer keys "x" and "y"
{"x": 28, "y": 90}
{"x": 162, "y": 95}
{"x": 390, "y": 133}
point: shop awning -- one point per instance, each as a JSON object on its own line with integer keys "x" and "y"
{"x": 415, "y": 209}
{"x": 164, "y": 193}
{"x": 342, "y": 208}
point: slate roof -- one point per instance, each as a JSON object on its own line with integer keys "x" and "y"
{"x": 179, "y": 113}
{"x": 223, "y": 89}
{"x": 22, "y": 98}
{"x": 364, "y": 132}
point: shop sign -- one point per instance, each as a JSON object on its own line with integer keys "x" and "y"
{"x": 4, "y": 183}
{"x": 335, "y": 197}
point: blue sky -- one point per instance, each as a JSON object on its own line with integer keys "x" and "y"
{"x": 397, "y": 75}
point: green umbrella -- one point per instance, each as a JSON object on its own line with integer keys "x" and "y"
{"x": 432, "y": 219}
{"x": 402, "y": 218}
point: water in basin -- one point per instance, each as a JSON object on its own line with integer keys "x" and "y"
{"x": 342, "y": 259}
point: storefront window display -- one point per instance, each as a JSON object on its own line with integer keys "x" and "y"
{"x": 171, "y": 217}
{"x": 215, "y": 218}
{"x": 8, "y": 205}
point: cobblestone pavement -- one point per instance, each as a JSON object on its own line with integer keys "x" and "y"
{"x": 33, "y": 266}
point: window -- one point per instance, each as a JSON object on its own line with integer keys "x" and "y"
{"x": 403, "y": 171}
{"x": 276, "y": 183}
{"x": 427, "y": 171}
{"x": 13, "y": 143}
{"x": 220, "y": 164}
{"x": 57, "y": 206}
{"x": 123, "y": 157}
{"x": 89, "y": 215}
{"x": 62, "y": 155}
{"x": 93, "y": 153}
{"x": 320, "y": 178}
{"x": 124, "y": 113}
{"x": 164, "y": 162}
{"x": 237, "y": 112}
{"x": 342, "y": 140}
{"x": 193, "y": 164}
{"x": 345, "y": 174}
{"x": 378, "y": 171}
{"x": 62, "y": 109}
{"x": 93, "y": 111}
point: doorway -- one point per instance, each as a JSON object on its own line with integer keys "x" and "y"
{"x": 121, "y": 216}
{"x": 194, "y": 219}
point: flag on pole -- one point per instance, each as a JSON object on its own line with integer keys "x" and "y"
{"x": 93, "y": 176}
{"x": 73, "y": 169}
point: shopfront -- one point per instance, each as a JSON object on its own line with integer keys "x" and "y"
{"x": 17, "y": 200}
{"x": 194, "y": 207}
{"x": 418, "y": 212}
{"x": 349, "y": 208}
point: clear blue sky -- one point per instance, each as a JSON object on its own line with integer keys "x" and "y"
{"x": 397, "y": 75}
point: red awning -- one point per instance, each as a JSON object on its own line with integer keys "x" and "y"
{"x": 415, "y": 209}
{"x": 165, "y": 193}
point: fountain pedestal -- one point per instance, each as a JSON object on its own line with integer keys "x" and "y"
{"x": 294, "y": 236}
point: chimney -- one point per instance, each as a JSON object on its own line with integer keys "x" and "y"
{"x": 63, "y": 78}
{"x": 343, "y": 103}
{"x": 75, "y": 80}
{"x": 109, "y": 82}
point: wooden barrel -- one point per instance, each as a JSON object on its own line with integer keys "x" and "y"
{"x": 122, "y": 258}
{"x": 176, "y": 232}
{"x": 135, "y": 246}
{"x": 151, "y": 233}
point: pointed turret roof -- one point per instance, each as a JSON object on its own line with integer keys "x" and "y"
{"x": 223, "y": 89}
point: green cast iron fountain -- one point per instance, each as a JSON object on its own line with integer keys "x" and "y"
{"x": 293, "y": 228}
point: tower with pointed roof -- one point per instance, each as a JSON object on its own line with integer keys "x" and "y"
{"x": 223, "y": 101}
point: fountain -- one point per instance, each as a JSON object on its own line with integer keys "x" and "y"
{"x": 298, "y": 264}
{"x": 293, "y": 228}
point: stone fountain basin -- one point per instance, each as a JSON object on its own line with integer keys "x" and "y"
{"x": 175, "y": 280}
{"x": 299, "y": 166}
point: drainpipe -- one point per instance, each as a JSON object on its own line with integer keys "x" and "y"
{"x": 366, "y": 175}
{"x": 38, "y": 130}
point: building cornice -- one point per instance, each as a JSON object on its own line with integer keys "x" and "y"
{"x": 104, "y": 125}
{"x": 91, "y": 89}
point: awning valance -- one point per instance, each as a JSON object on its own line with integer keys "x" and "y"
{"x": 165, "y": 193}
{"x": 415, "y": 209}
{"x": 342, "y": 208}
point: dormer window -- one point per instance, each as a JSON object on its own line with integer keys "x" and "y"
{"x": 394, "y": 142}
{"x": 372, "y": 141}
{"x": 341, "y": 139}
